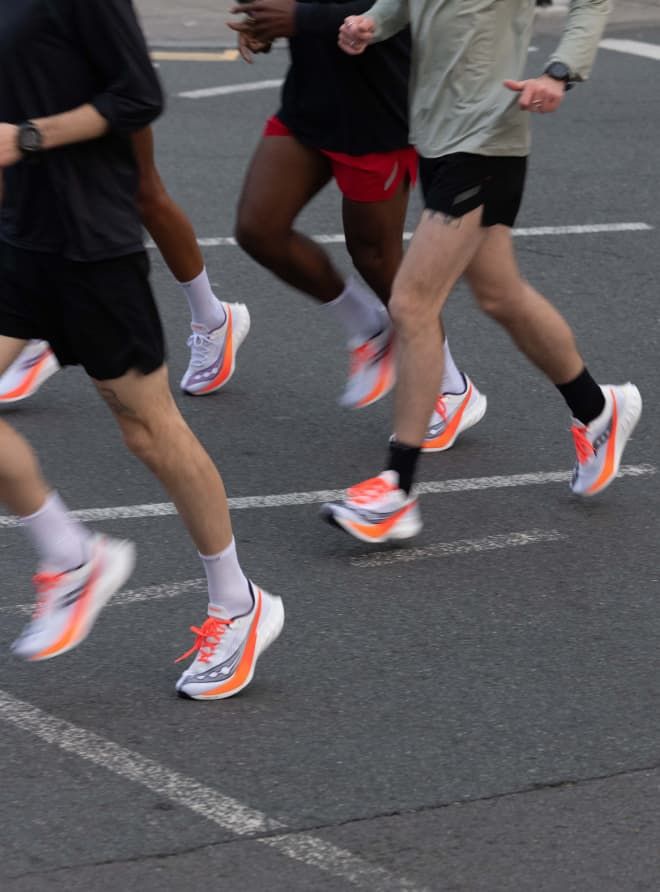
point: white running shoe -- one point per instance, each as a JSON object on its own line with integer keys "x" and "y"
{"x": 376, "y": 510}
{"x": 453, "y": 414}
{"x": 372, "y": 371}
{"x": 34, "y": 364}
{"x": 599, "y": 445}
{"x": 213, "y": 353}
{"x": 228, "y": 649}
{"x": 68, "y": 603}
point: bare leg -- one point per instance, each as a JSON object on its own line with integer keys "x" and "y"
{"x": 440, "y": 251}
{"x": 282, "y": 178}
{"x": 166, "y": 223}
{"x": 374, "y": 238}
{"x": 536, "y": 327}
{"x": 156, "y": 433}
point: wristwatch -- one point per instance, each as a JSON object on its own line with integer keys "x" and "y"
{"x": 560, "y": 72}
{"x": 30, "y": 140}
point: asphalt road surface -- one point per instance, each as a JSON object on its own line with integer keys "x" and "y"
{"x": 478, "y": 711}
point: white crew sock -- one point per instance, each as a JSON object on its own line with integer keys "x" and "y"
{"x": 452, "y": 380}
{"x": 205, "y": 308}
{"x": 229, "y": 591}
{"x": 360, "y": 312}
{"x": 61, "y": 542}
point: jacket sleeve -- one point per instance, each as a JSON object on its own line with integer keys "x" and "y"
{"x": 326, "y": 18}
{"x": 130, "y": 95}
{"x": 390, "y": 16}
{"x": 584, "y": 28}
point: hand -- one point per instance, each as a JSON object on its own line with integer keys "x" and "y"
{"x": 9, "y": 151}
{"x": 266, "y": 19}
{"x": 248, "y": 45}
{"x": 539, "y": 94}
{"x": 356, "y": 34}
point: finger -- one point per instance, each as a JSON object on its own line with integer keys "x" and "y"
{"x": 516, "y": 86}
{"x": 528, "y": 95}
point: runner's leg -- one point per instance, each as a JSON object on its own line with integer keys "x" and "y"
{"x": 282, "y": 178}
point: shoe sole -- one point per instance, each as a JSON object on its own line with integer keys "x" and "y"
{"x": 42, "y": 371}
{"x": 239, "y": 333}
{"x": 626, "y": 426}
{"x": 121, "y": 555}
{"x": 409, "y": 527}
{"x": 470, "y": 418}
{"x": 268, "y": 632}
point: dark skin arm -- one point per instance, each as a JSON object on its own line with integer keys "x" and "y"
{"x": 267, "y": 20}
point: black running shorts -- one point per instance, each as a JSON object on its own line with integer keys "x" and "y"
{"x": 457, "y": 184}
{"x": 101, "y": 315}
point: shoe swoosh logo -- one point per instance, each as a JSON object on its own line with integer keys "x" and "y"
{"x": 247, "y": 657}
{"x": 453, "y": 424}
{"x": 610, "y": 454}
{"x": 77, "y": 619}
{"x": 227, "y": 355}
{"x": 384, "y": 379}
{"x": 378, "y": 529}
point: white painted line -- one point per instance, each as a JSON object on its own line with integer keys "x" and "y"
{"x": 460, "y": 546}
{"x": 168, "y": 590}
{"x": 228, "y": 813}
{"x": 632, "y": 48}
{"x": 134, "y": 596}
{"x": 231, "y": 88}
{"x": 528, "y": 232}
{"x": 288, "y": 499}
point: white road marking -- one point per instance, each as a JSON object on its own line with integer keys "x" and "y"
{"x": 632, "y": 48}
{"x": 288, "y": 499}
{"x": 160, "y": 592}
{"x": 460, "y": 546}
{"x": 228, "y": 813}
{"x": 168, "y": 590}
{"x": 525, "y": 232}
{"x": 231, "y": 88}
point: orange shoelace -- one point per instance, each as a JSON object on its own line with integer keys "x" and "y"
{"x": 583, "y": 447}
{"x": 361, "y": 355}
{"x": 369, "y": 490}
{"x": 44, "y": 583}
{"x": 208, "y": 638}
{"x": 441, "y": 408}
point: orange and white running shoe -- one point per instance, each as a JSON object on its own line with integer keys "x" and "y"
{"x": 372, "y": 371}
{"x": 600, "y": 444}
{"x": 34, "y": 364}
{"x": 227, "y": 650}
{"x": 376, "y": 510}
{"x": 68, "y": 603}
{"x": 213, "y": 353}
{"x": 453, "y": 414}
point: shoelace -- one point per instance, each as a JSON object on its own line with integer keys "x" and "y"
{"x": 208, "y": 638}
{"x": 583, "y": 448}
{"x": 369, "y": 490}
{"x": 440, "y": 407}
{"x": 44, "y": 584}
{"x": 361, "y": 356}
{"x": 200, "y": 345}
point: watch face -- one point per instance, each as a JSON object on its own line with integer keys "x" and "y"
{"x": 30, "y": 139}
{"x": 559, "y": 71}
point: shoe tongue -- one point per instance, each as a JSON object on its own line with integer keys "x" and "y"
{"x": 198, "y": 328}
{"x": 391, "y": 477}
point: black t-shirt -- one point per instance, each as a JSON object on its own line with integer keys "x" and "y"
{"x": 55, "y": 55}
{"x": 342, "y": 103}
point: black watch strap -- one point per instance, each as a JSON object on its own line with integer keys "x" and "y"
{"x": 30, "y": 139}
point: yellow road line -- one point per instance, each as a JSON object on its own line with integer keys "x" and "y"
{"x": 182, "y": 56}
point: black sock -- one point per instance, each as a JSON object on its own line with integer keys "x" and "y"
{"x": 584, "y": 397}
{"x": 403, "y": 460}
